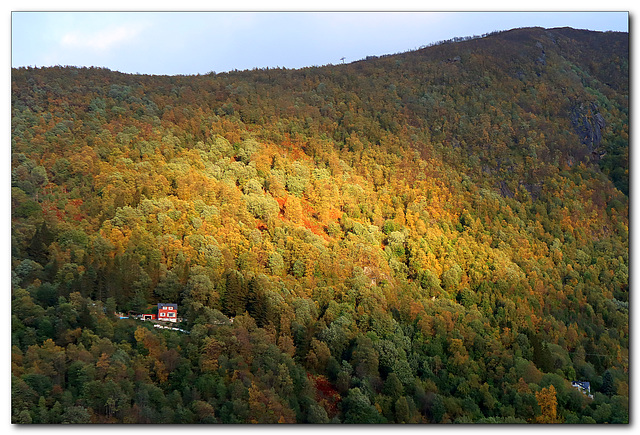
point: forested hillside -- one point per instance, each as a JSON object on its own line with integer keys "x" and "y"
{"x": 436, "y": 236}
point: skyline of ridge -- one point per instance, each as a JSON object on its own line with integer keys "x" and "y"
{"x": 190, "y": 43}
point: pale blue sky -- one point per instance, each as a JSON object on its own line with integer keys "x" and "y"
{"x": 200, "y": 42}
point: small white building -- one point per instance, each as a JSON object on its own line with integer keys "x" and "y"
{"x": 584, "y": 387}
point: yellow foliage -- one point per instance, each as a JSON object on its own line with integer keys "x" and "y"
{"x": 547, "y": 402}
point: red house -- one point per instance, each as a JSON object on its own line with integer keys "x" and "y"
{"x": 168, "y": 312}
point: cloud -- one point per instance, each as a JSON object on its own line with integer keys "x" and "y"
{"x": 102, "y": 40}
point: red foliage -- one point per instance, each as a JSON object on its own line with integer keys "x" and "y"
{"x": 326, "y": 395}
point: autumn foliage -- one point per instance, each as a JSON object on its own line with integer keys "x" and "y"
{"x": 434, "y": 236}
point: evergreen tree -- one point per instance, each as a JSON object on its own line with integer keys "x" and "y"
{"x": 608, "y": 386}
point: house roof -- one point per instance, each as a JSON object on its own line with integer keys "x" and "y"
{"x": 583, "y": 384}
{"x": 161, "y": 305}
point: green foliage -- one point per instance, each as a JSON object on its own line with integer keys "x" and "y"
{"x": 357, "y": 409}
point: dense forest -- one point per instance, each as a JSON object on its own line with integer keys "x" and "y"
{"x": 435, "y": 236}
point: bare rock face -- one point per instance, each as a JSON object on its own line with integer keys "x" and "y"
{"x": 505, "y": 191}
{"x": 542, "y": 60}
{"x": 588, "y": 123}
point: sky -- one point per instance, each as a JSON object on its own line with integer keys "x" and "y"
{"x": 170, "y": 43}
